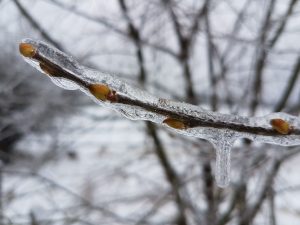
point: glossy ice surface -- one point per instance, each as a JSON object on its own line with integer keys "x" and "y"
{"x": 221, "y": 138}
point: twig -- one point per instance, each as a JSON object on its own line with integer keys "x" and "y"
{"x": 283, "y": 23}
{"x": 271, "y": 199}
{"x": 104, "y": 22}
{"x": 209, "y": 187}
{"x": 290, "y": 86}
{"x": 160, "y": 151}
{"x": 135, "y": 36}
{"x": 184, "y": 53}
{"x": 261, "y": 57}
{"x": 170, "y": 173}
{"x": 189, "y": 120}
{"x": 252, "y": 210}
{"x": 1, "y": 193}
{"x": 211, "y": 70}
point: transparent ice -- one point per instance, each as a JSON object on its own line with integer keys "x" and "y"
{"x": 222, "y": 139}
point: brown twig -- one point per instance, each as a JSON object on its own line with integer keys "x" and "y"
{"x": 261, "y": 57}
{"x": 252, "y": 210}
{"x": 160, "y": 151}
{"x": 189, "y": 120}
{"x": 283, "y": 23}
{"x": 209, "y": 187}
{"x": 104, "y": 22}
{"x": 185, "y": 45}
{"x": 290, "y": 86}
{"x": 211, "y": 69}
{"x": 170, "y": 174}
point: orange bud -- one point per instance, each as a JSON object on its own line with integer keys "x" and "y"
{"x": 27, "y": 50}
{"x": 100, "y": 91}
{"x": 281, "y": 126}
{"x": 174, "y": 123}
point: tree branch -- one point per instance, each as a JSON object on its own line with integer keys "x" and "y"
{"x": 290, "y": 86}
{"x": 169, "y": 173}
{"x": 160, "y": 152}
{"x": 209, "y": 188}
{"x": 283, "y": 23}
{"x": 104, "y": 22}
{"x": 211, "y": 69}
{"x": 185, "y": 47}
{"x": 251, "y": 211}
{"x": 184, "y": 118}
{"x": 261, "y": 57}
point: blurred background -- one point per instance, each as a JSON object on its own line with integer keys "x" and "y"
{"x": 65, "y": 160}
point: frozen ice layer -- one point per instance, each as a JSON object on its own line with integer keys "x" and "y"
{"x": 107, "y": 90}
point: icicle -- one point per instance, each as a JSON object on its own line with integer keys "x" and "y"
{"x": 223, "y": 165}
{"x": 223, "y": 145}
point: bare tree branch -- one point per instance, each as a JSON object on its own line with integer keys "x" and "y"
{"x": 261, "y": 57}
{"x": 283, "y": 23}
{"x": 185, "y": 43}
{"x": 252, "y": 210}
{"x": 1, "y": 193}
{"x": 209, "y": 188}
{"x": 212, "y": 75}
{"x": 104, "y": 22}
{"x": 271, "y": 199}
{"x": 170, "y": 173}
{"x": 290, "y": 86}
{"x": 188, "y": 121}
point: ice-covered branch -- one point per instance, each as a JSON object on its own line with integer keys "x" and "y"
{"x": 220, "y": 129}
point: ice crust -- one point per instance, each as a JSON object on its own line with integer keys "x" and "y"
{"x": 222, "y": 139}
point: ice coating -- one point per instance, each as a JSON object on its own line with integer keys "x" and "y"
{"x": 58, "y": 57}
{"x": 220, "y": 129}
{"x": 223, "y": 145}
